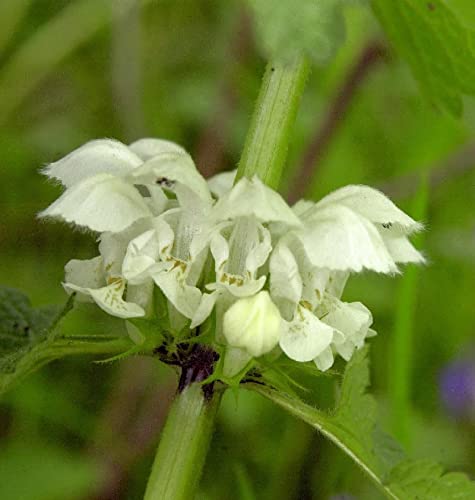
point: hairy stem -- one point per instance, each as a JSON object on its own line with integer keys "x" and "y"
{"x": 265, "y": 149}
{"x": 183, "y": 446}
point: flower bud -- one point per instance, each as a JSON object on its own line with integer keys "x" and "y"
{"x": 253, "y": 324}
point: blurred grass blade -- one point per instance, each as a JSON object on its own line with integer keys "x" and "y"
{"x": 245, "y": 490}
{"x": 75, "y": 25}
{"x": 12, "y": 14}
{"x": 401, "y": 348}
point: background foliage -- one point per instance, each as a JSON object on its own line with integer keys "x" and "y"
{"x": 75, "y": 70}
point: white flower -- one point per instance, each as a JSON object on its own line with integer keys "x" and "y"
{"x": 100, "y": 279}
{"x": 241, "y": 244}
{"x": 103, "y": 180}
{"x": 274, "y": 275}
{"x": 173, "y": 252}
{"x": 356, "y": 228}
{"x": 253, "y": 324}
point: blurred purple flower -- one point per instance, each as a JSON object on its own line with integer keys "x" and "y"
{"x": 457, "y": 388}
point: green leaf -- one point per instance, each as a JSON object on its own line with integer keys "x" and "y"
{"x": 425, "y": 479}
{"x": 352, "y": 427}
{"x": 22, "y": 327}
{"x": 284, "y": 30}
{"x": 29, "y": 338}
{"x": 438, "y": 45}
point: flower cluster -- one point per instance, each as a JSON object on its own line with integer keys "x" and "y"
{"x": 270, "y": 276}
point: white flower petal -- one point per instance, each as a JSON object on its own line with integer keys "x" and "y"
{"x": 158, "y": 201}
{"x": 253, "y": 324}
{"x": 285, "y": 280}
{"x": 336, "y": 283}
{"x": 399, "y": 247}
{"x": 85, "y": 273}
{"x": 142, "y": 254}
{"x": 95, "y": 157}
{"x": 372, "y": 204}
{"x": 259, "y": 252}
{"x": 166, "y": 169}
{"x": 113, "y": 246}
{"x": 149, "y": 147}
{"x": 305, "y": 337}
{"x": 142, "y": 295}
{"x": 101, "y": 203}
{"x": 220, "y": 251}
{"x": 185, "y": 298}
{"x": 252, "y": 197}
{"x": 302, "y": 206}
{"x": 247, "y": 288}
{"x": 339, "y": 239}
{"x": 353, "y": 321}
{"x": 208, "y": 301}
{"x": 109, "y": 299}
{"x": 220, "y": 184}
{"x": 325, "y": 360}
{"x": 165, "y": 236}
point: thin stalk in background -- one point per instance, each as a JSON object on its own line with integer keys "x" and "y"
{"x": 402, "y": 345}
{"x": 265, "y": 148}
{"x": 188, "y": 430}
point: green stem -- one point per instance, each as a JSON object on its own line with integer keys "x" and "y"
{"x": 187, "y": 433}
{"x": 183, "y": 445}
{"x": 265, "y": 149}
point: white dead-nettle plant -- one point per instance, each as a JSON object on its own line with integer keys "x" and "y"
{"x": 270, "y": 276}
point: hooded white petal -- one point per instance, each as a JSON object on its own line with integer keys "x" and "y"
{"x": 253, "y": 324}
{"x": 305, "y": 337}
{"x": 102, "y": 156}
{"x": 168, "y": 168}
{"x": 372, "y": 204}
{"x": 339, "y": 239}
{"x": 220, "y": 184}
{"x": 399, "y": 247}
{"x": 252, "y": 197}
{"x": 149, "y": 147}
{"x": 109, "y": 299}
{"x": 101, "y": 203}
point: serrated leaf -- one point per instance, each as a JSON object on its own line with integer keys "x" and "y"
{"x": 437, "y": 44}
{"x": 353, "y": 428}
{"x": 314, "y": 28}
{"x": 22, "y": 327}
{"x": 424, "y": 479}
{"x": 29, "y": 339}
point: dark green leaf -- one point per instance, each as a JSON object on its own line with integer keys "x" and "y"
{"x": 437, "y": 44}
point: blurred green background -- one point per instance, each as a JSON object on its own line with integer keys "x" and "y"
{"x": 189, "y": 71}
